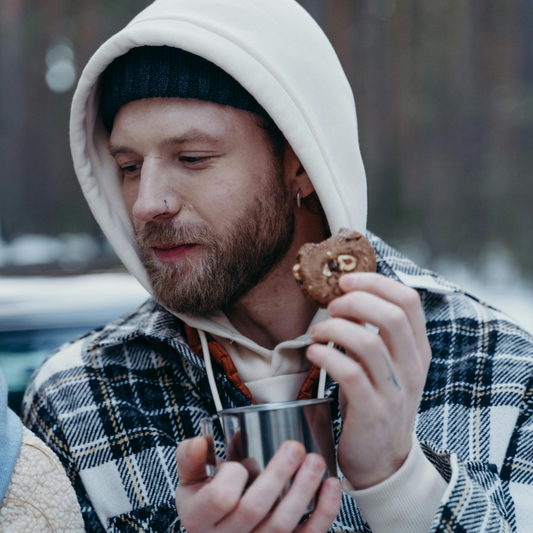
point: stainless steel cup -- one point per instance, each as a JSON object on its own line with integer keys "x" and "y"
{"x": 254, "y": 434}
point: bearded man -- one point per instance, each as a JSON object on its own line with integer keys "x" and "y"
{"x": 212, "y": 139}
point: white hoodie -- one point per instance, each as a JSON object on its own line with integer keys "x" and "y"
{"x": 276, "y": 51}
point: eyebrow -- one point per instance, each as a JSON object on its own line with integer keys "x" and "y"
{"x": 193, "y": 135}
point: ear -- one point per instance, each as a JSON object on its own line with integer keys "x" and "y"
{"x": 296, "y": 176}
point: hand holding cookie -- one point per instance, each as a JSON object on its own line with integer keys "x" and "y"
{"x": 382, "y": 375}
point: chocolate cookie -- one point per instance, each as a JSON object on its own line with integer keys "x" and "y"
{"x": 321, "y": 265}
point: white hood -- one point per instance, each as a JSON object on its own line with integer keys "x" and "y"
{"x": 276, "y": 51}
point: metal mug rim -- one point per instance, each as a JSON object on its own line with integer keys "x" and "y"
{"x": 273, "y": 406}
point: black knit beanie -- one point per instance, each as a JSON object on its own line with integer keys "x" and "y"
{"x": 162, "y": 71}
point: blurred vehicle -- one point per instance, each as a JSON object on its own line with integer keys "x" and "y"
{"x": 39, "y": 314}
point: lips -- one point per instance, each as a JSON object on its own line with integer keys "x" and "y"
{"x": 168, "y": 253}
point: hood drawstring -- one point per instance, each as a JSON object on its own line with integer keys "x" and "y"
{"x": 209, "y": 370}
{"x": 322, "y": 379}
{"x": 211, "y": 375}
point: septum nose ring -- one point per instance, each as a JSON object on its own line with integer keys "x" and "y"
{"x": 166, "y": 212}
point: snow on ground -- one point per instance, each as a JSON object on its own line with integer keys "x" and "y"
{"x": 495, "y": 279}
{"x": 502, "y": 287}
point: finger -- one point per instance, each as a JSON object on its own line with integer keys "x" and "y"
{"x": 200, "y": 501}
{"x": 327, "y": 509}
{"x": 215, "y": 500}
{"x": 348, "y": 373}
{"x": 191, "y": 457}
{"x": 260, "y": 497}
{"x": 292, "y": 507}
{"x": 395, "y": 328}
{"x": 367, "y": 348}
{"x": 394, "y": 292}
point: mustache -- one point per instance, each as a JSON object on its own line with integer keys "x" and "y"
{"x": 156, "y": 233}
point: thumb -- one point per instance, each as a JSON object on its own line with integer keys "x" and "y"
{"x": 191, "y": 457}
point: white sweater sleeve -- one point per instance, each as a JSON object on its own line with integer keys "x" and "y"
{"x": 39, "y": 496}
{"x": 407, "y": 501}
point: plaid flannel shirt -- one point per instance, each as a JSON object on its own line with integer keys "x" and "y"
{"x": 114, "y": 404}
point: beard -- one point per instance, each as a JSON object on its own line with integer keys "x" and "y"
{"x": 237, "y": 257}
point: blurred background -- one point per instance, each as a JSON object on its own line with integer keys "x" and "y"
{"x": 444, "y": 92}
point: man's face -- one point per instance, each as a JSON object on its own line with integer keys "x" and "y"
{"x": 230, "y": 218}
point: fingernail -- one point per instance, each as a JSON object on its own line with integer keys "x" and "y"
{"x": 294, "y": 451}
{"x": 315, "y": 464}
{"x": 312, "y": 331}
{"x": 333, "y": 489}
{"x": 349, "y": 280}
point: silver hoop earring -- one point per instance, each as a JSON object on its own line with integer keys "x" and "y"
{"x": 298, "y": 198}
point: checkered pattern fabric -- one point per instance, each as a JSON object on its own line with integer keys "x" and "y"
{"x": 114, "y": 404}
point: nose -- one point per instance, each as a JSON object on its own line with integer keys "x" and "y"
{"x": 157, "y": 197}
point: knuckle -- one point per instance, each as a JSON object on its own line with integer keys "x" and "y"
{"x": 396, "y": 318}
{"x": 250, "y": 510}
{"x": 222, "y": 501}
{"x": 352, "y": 375}
{"x": 371, "y": 343}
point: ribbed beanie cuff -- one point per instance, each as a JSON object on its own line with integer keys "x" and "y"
{"x": 162, "y": 71}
